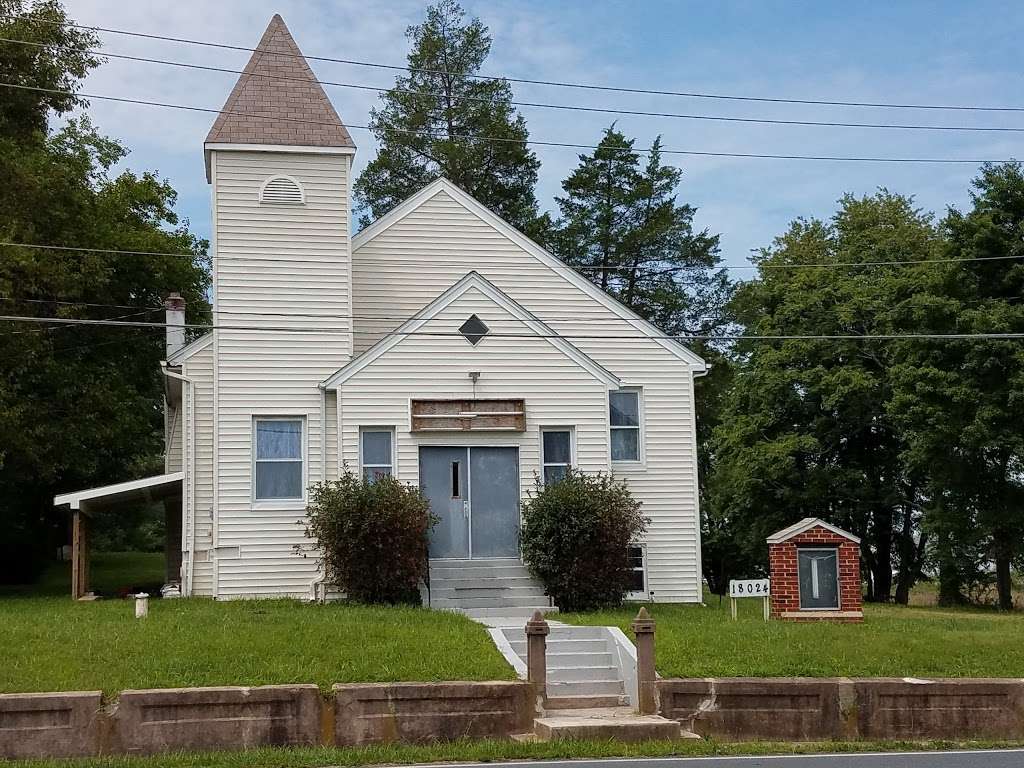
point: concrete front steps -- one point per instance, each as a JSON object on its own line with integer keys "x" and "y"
{"x": 619, "y": 723}
{"x": 487, "y": 589}
{"x": 587, "y": 667}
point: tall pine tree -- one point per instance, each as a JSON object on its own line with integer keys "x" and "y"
{"x": 435, "y": 120}
{"x": 621, "y": 221}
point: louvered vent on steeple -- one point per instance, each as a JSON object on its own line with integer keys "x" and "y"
{"x": 282, "y": 190}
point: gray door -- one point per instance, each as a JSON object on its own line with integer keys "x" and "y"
{"x": 475, "y": 494}
{"x": 819, "y": 578}
{"x": 444, "y": 480}
{"x": 494, "y": 501}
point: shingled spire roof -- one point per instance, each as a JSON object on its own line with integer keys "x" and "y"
{"x": 278, "y": 101}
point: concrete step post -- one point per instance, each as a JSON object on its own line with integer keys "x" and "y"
{"x": 646, "y": 677}
{"x": 537, "y": 630}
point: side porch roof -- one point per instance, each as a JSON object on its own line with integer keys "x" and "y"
{"x": 146, "y": 489}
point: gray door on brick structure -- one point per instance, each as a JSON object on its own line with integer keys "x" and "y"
{"x": 474, "y": 491}
{"x": 819, "y": 578}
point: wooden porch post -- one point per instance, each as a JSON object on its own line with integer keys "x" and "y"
{"x": 76, "y": 554}
{"x": 79, "y": 555}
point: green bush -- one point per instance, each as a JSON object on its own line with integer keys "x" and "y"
{"x": 575, "y": 538}
{"x": 372, "y": 537}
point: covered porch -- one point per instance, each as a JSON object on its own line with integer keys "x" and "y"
{"x": 83, "y": 504}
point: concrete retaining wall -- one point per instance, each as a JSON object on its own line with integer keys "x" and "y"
{"x": 151, "y": 722}
{"x": 57, "y": 725}
{"x": 798, "y": 709}
{"x": 941, "y": 709}
{"x": 50, "y": 724}
{"x": 423, "y": 712}
{"x": 806, "y": 709}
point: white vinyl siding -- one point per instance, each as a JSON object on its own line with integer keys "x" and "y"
{"x": 197, "y": 524}
{"x": 275, "y": 266}
{"x": 408, "y": 264}
{"x": 174, "y": 442}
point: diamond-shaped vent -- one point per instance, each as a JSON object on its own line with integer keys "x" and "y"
{"x": 474, "y": 329}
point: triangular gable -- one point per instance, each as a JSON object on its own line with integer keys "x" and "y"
{"x": 501, "y": 299}
{"x": 526, "y": 244}
{"x": 278, "y": 100}
{"x": 805, "y": 525}
{"x": 190, "y": 349}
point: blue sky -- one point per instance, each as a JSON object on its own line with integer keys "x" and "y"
{"x": 905, "y": 52}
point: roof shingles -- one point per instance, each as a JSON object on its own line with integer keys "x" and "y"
{"x": 278, "y": 101}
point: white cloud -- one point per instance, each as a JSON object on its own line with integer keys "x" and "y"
{"x": 748, "y": 201}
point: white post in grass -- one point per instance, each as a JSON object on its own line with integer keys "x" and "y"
{"x": 141, "y": 605}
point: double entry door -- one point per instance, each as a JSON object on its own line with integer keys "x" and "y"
{"x": 474, "y": 491}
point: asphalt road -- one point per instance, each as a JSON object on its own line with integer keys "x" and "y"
{"x": 995, "y": 758}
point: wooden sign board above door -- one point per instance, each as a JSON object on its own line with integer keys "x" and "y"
{"x": 468, "y": 415}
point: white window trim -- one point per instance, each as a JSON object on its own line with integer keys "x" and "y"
{"x": 286, "y": 504}
{"x": 645, "y": 594}
{"x": 839, "y": 584}
{"x": 293, "y": 180}
{"x": 641, "y": 459}
{"x": 572, "y": 448}
{"x": 394, "y": 456}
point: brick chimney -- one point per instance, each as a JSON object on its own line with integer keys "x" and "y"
{"x": 175, "y": 320}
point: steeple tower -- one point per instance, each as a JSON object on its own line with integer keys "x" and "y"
{"x": 277, "y": 101}
{"x": 279, "y": 163}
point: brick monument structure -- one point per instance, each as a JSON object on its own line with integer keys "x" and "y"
{"x": 815, "y": 573}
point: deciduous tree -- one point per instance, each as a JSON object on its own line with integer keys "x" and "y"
{"x": 79, "y": 406}
{"x": 805, "y": 430}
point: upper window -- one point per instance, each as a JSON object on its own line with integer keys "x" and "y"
{"x": 376, "y": 453}
{"x": 557, "y": 445}
{"x": 624, "y": 419}
{"x": 278, "y": 459}
{"x": 282, "y": 190}
{"x": 819, "y": 578}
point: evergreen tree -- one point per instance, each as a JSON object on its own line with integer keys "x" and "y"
{"x": 620, "y": 221}
{"x": 79, "y": 405}
{"x": 434, "y": 121}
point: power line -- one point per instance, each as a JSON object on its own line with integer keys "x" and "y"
{"x": 100, "y": 250}
{"x": 539, "y": 105}
{"x": 574, "y": 316}
{"x": 620, "y": 337}
{"x": 506, "y": 140}
{"x": 582, "y": 267}
{"x": 77, "y": 303}
{"x": 552, "y": 83}
{"x": 60, "y": 325}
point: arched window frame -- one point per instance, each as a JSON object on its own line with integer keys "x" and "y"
{"x": 292, "y": 179}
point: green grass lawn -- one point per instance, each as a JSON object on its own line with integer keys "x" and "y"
{"x": 111, "y": 574}
{"x": 490, "y": 751}
{"x": 893, "y": 641}
{"x": 51, "y": 643}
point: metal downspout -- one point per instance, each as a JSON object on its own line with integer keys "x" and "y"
{"x": 188, "y": 447}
